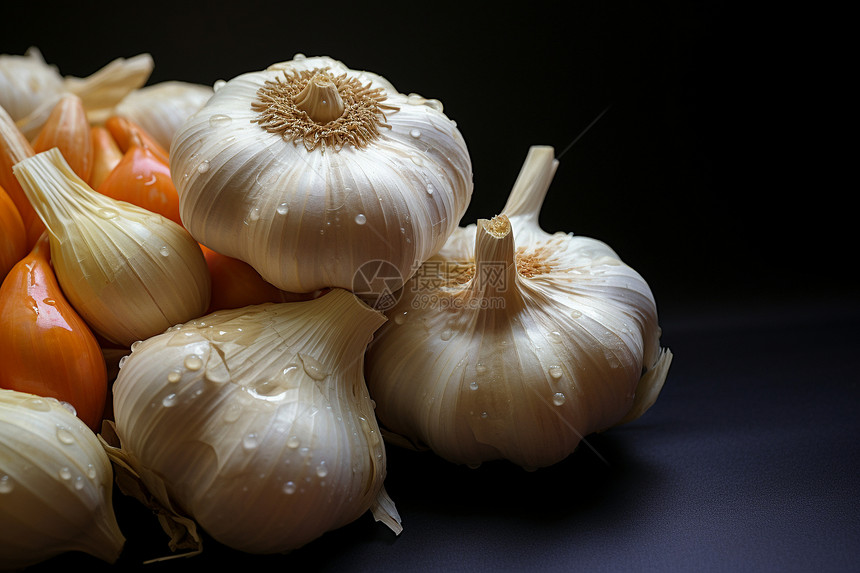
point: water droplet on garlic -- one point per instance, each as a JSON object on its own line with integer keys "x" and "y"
{"x": 65, "y": 436}
{"x": 193, "y": 362}
{"x": 313, "y": 367}
{"x": 558, "y": 398}
{"x": 203, "y": 167}
{"x": 250, "y": 441}
{"x": 322, "y": 471}
{"x": 37, "y": 404}
{"x": 416, "y": 133}
{"x": 6, "y": 484}
{"x": 220, "y": 119}
{"x": 555, "y": 372}
{"x": 232, "y": 413}
{"x": 360, "y": 219}
{"x": 164, "y": 251}
{"x": 283, "y": 209}
{"x": 293, "y": 442}
{"x": 169, "y": 400}
{"x": 290, "y": 487}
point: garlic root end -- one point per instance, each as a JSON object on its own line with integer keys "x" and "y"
{"x": 649, "y": 387}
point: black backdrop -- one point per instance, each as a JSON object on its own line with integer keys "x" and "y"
{"x": 719, "y": 168}
{"x": 709, "y": 170}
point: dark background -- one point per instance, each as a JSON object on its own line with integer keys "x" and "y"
{"x": 714, "y": 171}
{"x": 719, "y": 169}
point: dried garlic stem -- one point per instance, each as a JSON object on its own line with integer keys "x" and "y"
{"x": 320, "y": 99}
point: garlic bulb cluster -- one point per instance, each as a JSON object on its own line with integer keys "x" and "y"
{"x": 30, "y": 87}
{"x": 257, "y": 421}
{"x": 130, "y": 273}
{"x": 161, "y": 108}
{"x": 26, "y": 82}
{"x": 513, "y": 343}
{"x": 309, "y": 170}
{"x": 56, "y": 485}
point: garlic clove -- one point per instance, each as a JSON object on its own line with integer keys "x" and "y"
{"x": 56, "y": 485}
{"x": 13, "y": 235}
{"x": 161, "y": 108}
{"x": 516, "y": 350}
{"x": 106, "y": 155}
{"x": 14, "y": 147}
{"x": 68, "y": 129}
{"x": 308, "y": 202}
{"x": 269, "y": 402}
{"x": 129, "y": 272}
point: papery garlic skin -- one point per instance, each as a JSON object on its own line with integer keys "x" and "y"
{"x": 257, "y": 421}
{"x": 37, "y": 90}
{"x": 27, "y": 82}
{"x": 56, "y": 485}
{"x": 161, "y": 108}
{"x": 307, "y": 220}
{"x": 130, "y": 273}
{"x": 497, "y": 350}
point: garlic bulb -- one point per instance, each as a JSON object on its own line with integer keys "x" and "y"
{"x": 504, "y": 350}
{"x": 56, "y": 485}
{"x": 257, "y": 422}
{"x": 309, "y": 170}
{"x": 130, "y": 273}
{"x": 30, "y": 88}
{"x": 161, "y": 108}
{"x": 26, "y": 82}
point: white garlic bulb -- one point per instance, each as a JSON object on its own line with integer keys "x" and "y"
{"x": 161, "y": 108}
{"x": 309, "y": 170}
{"x": 26, "y": 82}
{"x": 257, "y": 421}
{"x": 56, "y": 485}
{"x": 497, "y": 350}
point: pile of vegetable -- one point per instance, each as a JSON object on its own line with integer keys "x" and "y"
{"x": 229, "y": 301}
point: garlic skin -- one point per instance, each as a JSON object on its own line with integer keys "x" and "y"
{"x": 130, "y": 273}
{"x": 257, "y": 421}
{"x": 161, "y": 108}
{"x": 497, "y": 350}
{"x": 309, "y": 187}
{"x": 27, "y": 82}
{"x": 56, "y": 485}
{"x": 30, "y": 88}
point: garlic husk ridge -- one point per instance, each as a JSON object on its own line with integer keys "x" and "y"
{"x": 215, "y": 417}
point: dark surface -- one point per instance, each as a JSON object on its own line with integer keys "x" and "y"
{"x": 749, "y": 461}
{"x": 714, "y": 171}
